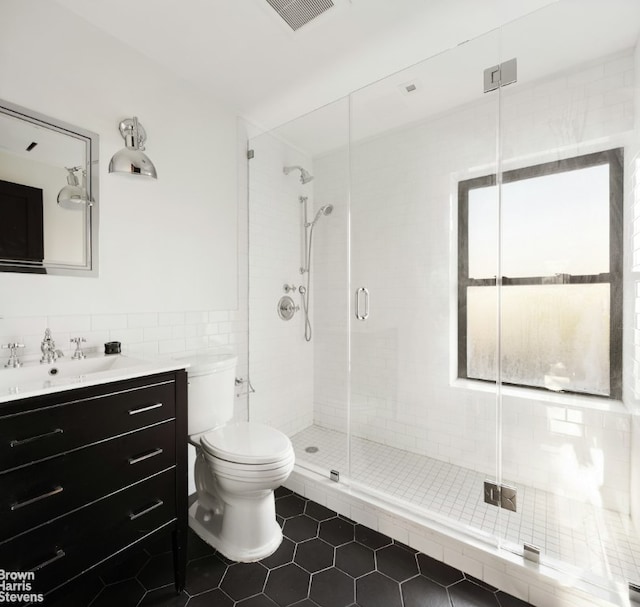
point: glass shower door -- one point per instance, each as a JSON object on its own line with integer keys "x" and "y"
{"x": 568, "y": 139}
{"x": 422, "y": 435}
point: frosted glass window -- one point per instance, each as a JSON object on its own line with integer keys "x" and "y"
{"x": 558, "y": 230}
{"x": 552, "y": 336}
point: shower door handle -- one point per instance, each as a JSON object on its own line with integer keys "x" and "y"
{"x": 359, "y": 295}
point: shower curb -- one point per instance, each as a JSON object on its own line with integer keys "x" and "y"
{"x": 537, "y": 584}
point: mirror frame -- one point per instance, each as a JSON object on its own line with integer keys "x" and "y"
{"x": 92, "y": 142}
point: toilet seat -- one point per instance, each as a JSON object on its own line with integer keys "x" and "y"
{"x": 252, "y": 444}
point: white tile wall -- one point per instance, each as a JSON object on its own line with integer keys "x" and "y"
{"x": 402, "y": 198}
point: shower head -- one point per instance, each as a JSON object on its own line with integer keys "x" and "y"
{"x": 305, "y": 176}
{"x": 325, "y": 210}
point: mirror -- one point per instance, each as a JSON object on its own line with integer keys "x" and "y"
{"x": 48, "y": 195}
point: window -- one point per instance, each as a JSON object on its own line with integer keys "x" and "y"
{"x": 560, "y": 251}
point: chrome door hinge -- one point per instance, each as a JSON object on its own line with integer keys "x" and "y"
{"x": 500, "y": 75}
{"x": 250, "y": 154}
{"x": 503, "y": 496}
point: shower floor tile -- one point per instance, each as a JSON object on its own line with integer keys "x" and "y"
{"x": 601, "y": 541}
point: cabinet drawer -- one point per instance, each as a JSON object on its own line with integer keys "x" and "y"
{"x": 40, "y": 492}
{"x": 51, "y": 430}
{"x": 76, "y": 542}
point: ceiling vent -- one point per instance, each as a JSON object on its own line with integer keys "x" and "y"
{"x": 297, "y": 13}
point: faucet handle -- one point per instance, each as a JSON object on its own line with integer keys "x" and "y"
{"x": 78, "y": 354}
{"x": 13, "y": 361}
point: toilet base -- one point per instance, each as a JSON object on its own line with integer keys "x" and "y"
{"x": 208, "y": 526}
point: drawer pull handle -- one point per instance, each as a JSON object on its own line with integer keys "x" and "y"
{"x": 141, "y": 458}
{"x": 134, "y": 515}
{"x": 23, "y": 441}
{"x": 143, "y": 409}
{"x": 33, "y": 500}
{"x": 58, "y": 555}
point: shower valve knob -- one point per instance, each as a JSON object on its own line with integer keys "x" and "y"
{"x": 288, "y": 288}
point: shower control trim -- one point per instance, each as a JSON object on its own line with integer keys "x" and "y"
{"x": 362, "y": 294}
{"x": 287, "y": 308}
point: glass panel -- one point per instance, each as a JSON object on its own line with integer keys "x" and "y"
{"x": 569, "y": 455}
{"x": 298, "y": 296}
{"x": 419, "y": 437}
{"x": 553, "y": 336}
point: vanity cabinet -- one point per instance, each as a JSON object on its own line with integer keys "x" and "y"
{"x": 91, "y": 472}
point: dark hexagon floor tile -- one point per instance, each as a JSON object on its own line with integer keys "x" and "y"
{"x": 478, "y": 582}
{"x": 377, "y": 590}
{"x": 355, "y": 559}
{"x": 468, "y": 594}
{"x": 437, "y": 571}
{"x": 197, "y": 548}
{"x": 396, "y": 562}
{"x": 213, "y": 597}
{"x": 336, "y": 531}
{"x": 318, "y": 512}
{"x": 204, "y": 574}
{"x": 260, "y": 600}
{"x": 287, "y": 585}
{"x": 305, "y": 603}
{"x": 408, "y": 548}
{"x": 506, "y": 600}
{"x": 370, "y": 538}
{"x": 314, "y": 555}
{"x": 332, "y": 588}
{"x": 420, "y": 592}
{"x": 243, "y": 580}
{"x": 157, "y": 572}
{"x": 124, "y": 568}
{"x": 77, "y": 592}
{"x": 164, "y": 597}
{"x": 282, "y": 491}
{"x": 123, "y": 594}
{"x": 300, "y": 528}
{"x": 290, "y": 505}
{"x": 283, "y": 555}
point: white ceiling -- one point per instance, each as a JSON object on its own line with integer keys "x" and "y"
{"x": 242, "y": 54}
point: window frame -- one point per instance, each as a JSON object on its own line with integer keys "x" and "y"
{"x": 614, "y": 159}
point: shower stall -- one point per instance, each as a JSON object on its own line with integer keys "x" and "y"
{"x": 474, "y": 294}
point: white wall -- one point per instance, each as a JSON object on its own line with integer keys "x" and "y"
{"x": 165, "y": 245}
{"x": 403, "y": 194}
{"x": 168, "y": 263}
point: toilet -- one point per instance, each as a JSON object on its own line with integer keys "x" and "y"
{"x": 238, "y": 465}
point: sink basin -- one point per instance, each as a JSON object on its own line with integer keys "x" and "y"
{"x": 34, "y": 378}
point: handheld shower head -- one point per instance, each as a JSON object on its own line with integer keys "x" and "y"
{"x": 324, "y": 210}
{"x": 305, "y": 176}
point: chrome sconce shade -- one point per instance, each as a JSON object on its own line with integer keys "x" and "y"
{"x": 132, "y": 159}
{"x": 73, "y": 195}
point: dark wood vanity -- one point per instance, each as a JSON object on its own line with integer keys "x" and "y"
{"x": 92, "y": 472}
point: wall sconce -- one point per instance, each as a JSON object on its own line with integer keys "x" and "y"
{"x": 73, "y": 195}
{"x": 131, "y": 159}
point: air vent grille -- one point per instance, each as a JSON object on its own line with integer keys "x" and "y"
{"x": 297, "y": 13}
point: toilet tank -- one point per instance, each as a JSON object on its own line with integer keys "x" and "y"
{"x": 211, "y": 392}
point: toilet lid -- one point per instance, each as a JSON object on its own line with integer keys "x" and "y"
{"x": 246, "y": 443}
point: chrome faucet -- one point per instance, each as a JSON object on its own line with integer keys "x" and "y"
{"x": 48, "y": 348}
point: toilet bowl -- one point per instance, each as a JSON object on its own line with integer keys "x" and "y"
{"x": 238, "y": 465}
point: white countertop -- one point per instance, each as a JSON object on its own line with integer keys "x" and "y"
{"x": 36, "y": 379}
